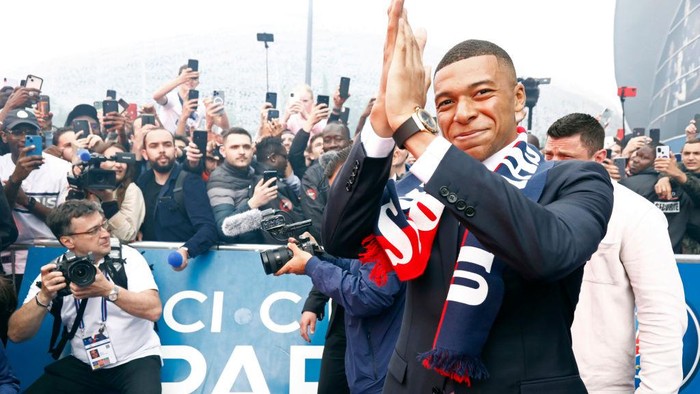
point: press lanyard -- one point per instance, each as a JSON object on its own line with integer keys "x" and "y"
{"x": 104, "y": 311}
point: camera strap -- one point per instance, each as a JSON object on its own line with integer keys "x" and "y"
{"x": 66, "y": 335}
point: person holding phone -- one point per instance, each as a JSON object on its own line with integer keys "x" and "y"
{"x": 124, "y": 207}
{"x": 33, "y": 186}
{"x": 173, "y": 99}
{"x": 303, "y": 113}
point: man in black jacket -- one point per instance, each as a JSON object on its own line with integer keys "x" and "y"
{"x": 540, "y": 240}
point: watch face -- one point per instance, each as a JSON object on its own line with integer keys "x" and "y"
{"x": 427, "y": 120}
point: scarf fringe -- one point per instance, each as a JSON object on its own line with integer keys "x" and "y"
{"x": 458, "y": 367}
{"x": 374, "y": 253}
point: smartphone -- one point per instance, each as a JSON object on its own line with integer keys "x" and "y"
{"x": 344, "y": 87}
{"x": 199, "y": 137}
{"x": 35, "y": 140}
{"x": 271, "y": 97}
{"x": 663, "y": 152}
{"x": 81, "y": 125}
{"x": 34, "y": 82}
{"x": 655, "y": 135}
{"x": 321, "y": 99}
{"x": 608, "y": 153}
{"x": 273, "y": 114}
{"x": 97, "y": 105}
{"x": 148, "y": 119}
{"x": 44, "y": 104}
{"x": 638, "y": 132}
{"x": 193, "y": 95}
{"x": 109, "y": 106}
{"x": 23, "y": 83}
{"x": 697, "y": 120}
{"x": 345, "y": 115}
{"x": 267, "y": 175}
{"x": 111, "y": 94}
{"x": 193, "y": 64}
{"x": 621, "y": 163}
{"x": 132, "y": 111}
{"x": 123, "y": 104}
{"x": 678, "y": 157}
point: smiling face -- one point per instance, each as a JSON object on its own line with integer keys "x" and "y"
{"x": 476, "y": 101}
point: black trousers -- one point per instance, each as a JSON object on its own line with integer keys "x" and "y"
{"x": 70, "y": 375}
{"x": 332, "y": 379}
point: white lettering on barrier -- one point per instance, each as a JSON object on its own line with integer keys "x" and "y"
{"x": 297, "y": 368}
{"x": 217, "y": 311}
{"x": 170, "y": 306}
{"x": 242, "y": 357}
{"x": 198, "y": 369}
{"x": 265, "y": 312}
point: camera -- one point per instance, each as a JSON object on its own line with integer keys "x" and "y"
{"x": 274, "y": 259}
{"x": 76, "y": 269}
{"x": 275, "y": 223}
{"x": 92, "y": 177}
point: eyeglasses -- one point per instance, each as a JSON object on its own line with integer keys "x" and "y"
{"x": 93, "y": 231}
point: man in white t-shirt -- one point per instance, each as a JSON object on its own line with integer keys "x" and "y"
{"x": 34, "y": 185}
{"x": 176, "y": 111}
{"x": 114, "y": 347}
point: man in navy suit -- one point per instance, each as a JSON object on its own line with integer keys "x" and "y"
{"x": 543, "y": 242}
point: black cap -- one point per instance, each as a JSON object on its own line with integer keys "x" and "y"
{"x": 18, "y": 117}
{"x": 81, "y": 110}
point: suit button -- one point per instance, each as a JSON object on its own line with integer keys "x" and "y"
{"x": 460, "y": 205}
{"x": 451, "y": 198}
{"x": 354, "y": 172}
{"x": 357, "y": 164}
{"x": 444, "y": 191}
{"x": 469, "y": 211}
{"x": 348, "y": 186}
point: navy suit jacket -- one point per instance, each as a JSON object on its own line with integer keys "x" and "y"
{"x": 544, "y": 246}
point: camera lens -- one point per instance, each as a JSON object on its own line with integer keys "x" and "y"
{"x": 274, "y": 259}
{"x": 82, "y": 273}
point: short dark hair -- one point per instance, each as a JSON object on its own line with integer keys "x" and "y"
{"x": 183, "y": 67}
{"x": 235, "y": 130}
{"x": 312, "y": 140}
{"x": 473, "y": 48}
{"x": 587, "y": 127}
{"x": 59, "y": 220}
{"x": 267, "y": 146}
{"x": 59, "y": 132}
{"x": 145, "y": 136}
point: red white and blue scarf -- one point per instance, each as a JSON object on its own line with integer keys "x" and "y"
{"x": 402, "y": 242}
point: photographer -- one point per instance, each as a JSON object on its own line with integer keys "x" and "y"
{"x": 116, "y": 321}
{"x": 124, "y": 206}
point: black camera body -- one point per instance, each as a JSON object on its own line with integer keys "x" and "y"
{"x": 92, "y": 177}
{"x": 80, "y": 270}
{"x": 274, "y": 259}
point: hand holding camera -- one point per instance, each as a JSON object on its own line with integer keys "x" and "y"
{"x": 25, "y": 164}
{"x": 114, "y": 121}
{"x": 297, "y": 264}
{"x": 187, "y": 75}
{"x": 634, "y": 144}
{"x": 193, "y": 155}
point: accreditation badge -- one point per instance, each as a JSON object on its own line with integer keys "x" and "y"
{"x": 99, "y": 349}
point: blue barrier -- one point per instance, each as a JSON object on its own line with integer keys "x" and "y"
{"x": 227, "y": 327}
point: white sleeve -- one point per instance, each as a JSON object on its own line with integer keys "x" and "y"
{"x": 425, "y": 166}
{"x": 138, "y": 272}
{"x": 375, "y": 146}
{"x": 658, "y": 291}
{"x": 33, "y": 290}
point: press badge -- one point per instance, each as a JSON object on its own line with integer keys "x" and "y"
{"x": 668, "y": 206}
{"x": 99, "y": 349}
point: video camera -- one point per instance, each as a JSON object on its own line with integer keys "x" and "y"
{"x": 275, "y": 223}
{"x": 92, "y": 177}
{"x": 77, "y": 269}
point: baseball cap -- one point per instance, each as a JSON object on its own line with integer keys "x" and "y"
{"x": 18, "y": 117}
{"x": 81, "y": 110}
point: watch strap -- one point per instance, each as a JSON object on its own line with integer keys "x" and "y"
{"x": 405, "y": 131}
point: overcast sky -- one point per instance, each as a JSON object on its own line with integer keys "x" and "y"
{"x": 571, "y": 42}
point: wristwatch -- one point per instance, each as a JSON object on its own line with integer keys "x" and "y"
{"x": 114, "y": 294}
{"x": 420, "y": 120}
